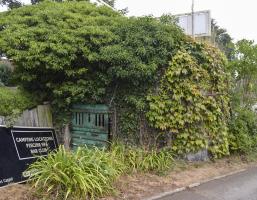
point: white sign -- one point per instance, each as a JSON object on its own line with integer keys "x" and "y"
{"x": 202, "y": 23}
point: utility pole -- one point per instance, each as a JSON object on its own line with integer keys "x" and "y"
{"x": 193, "y": 26}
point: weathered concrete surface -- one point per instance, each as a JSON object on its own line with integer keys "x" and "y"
{"x": 241, "y": 186}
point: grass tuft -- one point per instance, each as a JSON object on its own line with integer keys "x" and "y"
{"x": 90, "y": 173}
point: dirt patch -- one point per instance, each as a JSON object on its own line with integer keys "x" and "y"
{"x": 16, "y": 192}
{"x": 141, "y": 186}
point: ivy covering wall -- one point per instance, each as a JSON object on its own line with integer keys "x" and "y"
{"x": 163, "y": 88}
{"x": 192, "y": 102}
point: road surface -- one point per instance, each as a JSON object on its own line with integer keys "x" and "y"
{"x": 241, "y": 186}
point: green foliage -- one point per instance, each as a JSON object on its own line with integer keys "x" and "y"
{"x": 192, "y": 101}
{"x": 244, "y": 70}
{"x": 142, "y": 160}
{"x": 243, "y": 131}
{"x": 242, "y": 127}
{"x": 223, "y": 40}
{"x": 55, "y": 47}
{"x": 86, "y": 173}
{"x": 5, "y": 74}
{"x": 128, "y": 121}
{"x": 76, "y": 52}
{"x": 11, "y": 4}
{"x": 12, "y": 117}
{"x": 13, "y": 101}
{"x": 89, "y": 173}
{"x": 138, "y": 59}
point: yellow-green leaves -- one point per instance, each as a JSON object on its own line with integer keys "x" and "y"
{"x": 13, "y": 100}
{"x": 85, "y": 173}
{"x": 89, "y": 173}
{"x": 192, "y": 103}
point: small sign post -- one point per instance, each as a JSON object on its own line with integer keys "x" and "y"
{"x": 20, "y": 147}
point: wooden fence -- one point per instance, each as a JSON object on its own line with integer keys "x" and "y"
{"x": 41, "y": 116}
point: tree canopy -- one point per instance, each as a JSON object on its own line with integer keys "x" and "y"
{"x": 11, "y": 3}
{"x": 5, "y": 73}
{"x": 223, "y": 40}
{"x": 244, "y": 69}
{"x": 75, "y": 51}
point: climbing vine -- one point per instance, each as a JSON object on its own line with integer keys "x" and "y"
{"x": 81, "y": 53}
{"x": 191, "y": 103}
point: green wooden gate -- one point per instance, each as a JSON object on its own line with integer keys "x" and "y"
{"x": 90, "y": 125}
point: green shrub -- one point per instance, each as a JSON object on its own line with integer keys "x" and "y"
{"x": 12, "y": 99}
{"x": 5, "y": 74}
{"x": 158, "y": 161}
{"x": 86, "y": 173}
{"x": 191, "y": 103}
{"x": 76, "y": 52}
{"x": 89, "y": 173}
{"x": 139, "y": 159}
{"x": 243, "y": 131}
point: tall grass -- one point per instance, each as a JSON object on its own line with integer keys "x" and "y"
{"x": 90, "y": 173}
{"x": 86, "y": 173}
{"x": 139, "y": 159}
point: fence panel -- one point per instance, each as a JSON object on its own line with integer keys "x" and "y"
{"x": 41, "y": 116}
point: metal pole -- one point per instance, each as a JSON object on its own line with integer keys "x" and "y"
{"x": 193, "y": 26}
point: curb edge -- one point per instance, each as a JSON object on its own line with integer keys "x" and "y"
{"x": 164, "y": 194}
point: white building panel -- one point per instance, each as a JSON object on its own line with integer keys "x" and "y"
{"x": 202, "y": 23}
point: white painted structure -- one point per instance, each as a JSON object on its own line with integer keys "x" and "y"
{"x": 201, "y": 25}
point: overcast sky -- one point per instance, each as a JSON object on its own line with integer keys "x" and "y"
{"x": 237, "y": 16}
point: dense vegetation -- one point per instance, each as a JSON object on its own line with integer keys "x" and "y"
{"x": 244, "y": 69}
{"x": 243, "y": 126}
{"x": 89, "y": 173}
{"x": 192, "y": 102}
{"x": 55, "y": 45}
{"x": 243, "y": 131}
{"x": 5, "y": 74}
{"x": 166, "y": 90}
{"x": 76, "y": 52}
{"x": 14, "y": 101}
{"x": 223, "y": 40}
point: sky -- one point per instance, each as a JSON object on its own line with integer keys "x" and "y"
{"x": 236, "y": 16}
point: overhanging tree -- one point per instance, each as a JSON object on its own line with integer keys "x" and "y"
{"x": 75, "y": 51}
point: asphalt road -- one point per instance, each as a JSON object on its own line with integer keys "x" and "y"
{"x": 241, "y": 186}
